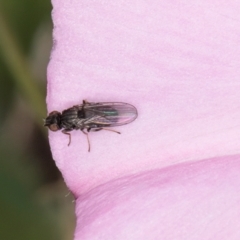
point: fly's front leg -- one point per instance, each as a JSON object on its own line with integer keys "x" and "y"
{"x": 67, "y": 133}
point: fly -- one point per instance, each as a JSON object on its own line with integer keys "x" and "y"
{"x": 92, "y": 117}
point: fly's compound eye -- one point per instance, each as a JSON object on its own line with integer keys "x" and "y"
{"x": 54, "y": 127}
{"x": 53, "y": 121}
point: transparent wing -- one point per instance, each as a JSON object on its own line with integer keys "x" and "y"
{"x": 109, "y": 114}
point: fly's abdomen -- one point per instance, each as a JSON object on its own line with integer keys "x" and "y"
{"x": 110, "y": 114}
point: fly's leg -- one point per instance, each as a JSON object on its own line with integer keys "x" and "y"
{"x": 67, "y": 133}
{"x": 111, "y": 130}
{"x": 96, "y": 130}
{"x": 99, "y": 129}
{"x": 87, "y": 139}
{"x": 85, "y": 102}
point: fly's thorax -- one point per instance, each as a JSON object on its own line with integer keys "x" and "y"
{"x": 71, "y": 120}
{"x": 81, "y": 113}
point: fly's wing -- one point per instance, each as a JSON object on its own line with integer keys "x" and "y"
{"x": 109, "y": 114}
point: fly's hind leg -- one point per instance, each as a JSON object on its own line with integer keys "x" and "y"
{"x": 99, "y": 129}
{"x": 67, "y": 133}
{"x": 96, "y": 130}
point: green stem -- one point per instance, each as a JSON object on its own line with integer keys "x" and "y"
{"x": 21, "y": 72}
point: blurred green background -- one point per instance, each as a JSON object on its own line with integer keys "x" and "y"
{"x": 34, "y": 202}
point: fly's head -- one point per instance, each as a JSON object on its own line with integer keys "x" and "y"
{"x": 53, "y": 121}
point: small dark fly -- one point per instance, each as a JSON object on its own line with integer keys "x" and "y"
{"x": 92, "y": 117}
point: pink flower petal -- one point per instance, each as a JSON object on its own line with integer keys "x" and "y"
{"x": 178, "y": 63}
{"x": 188, "y": 201}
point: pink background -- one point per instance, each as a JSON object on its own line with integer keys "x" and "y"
{"x": 178, "y": 63}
